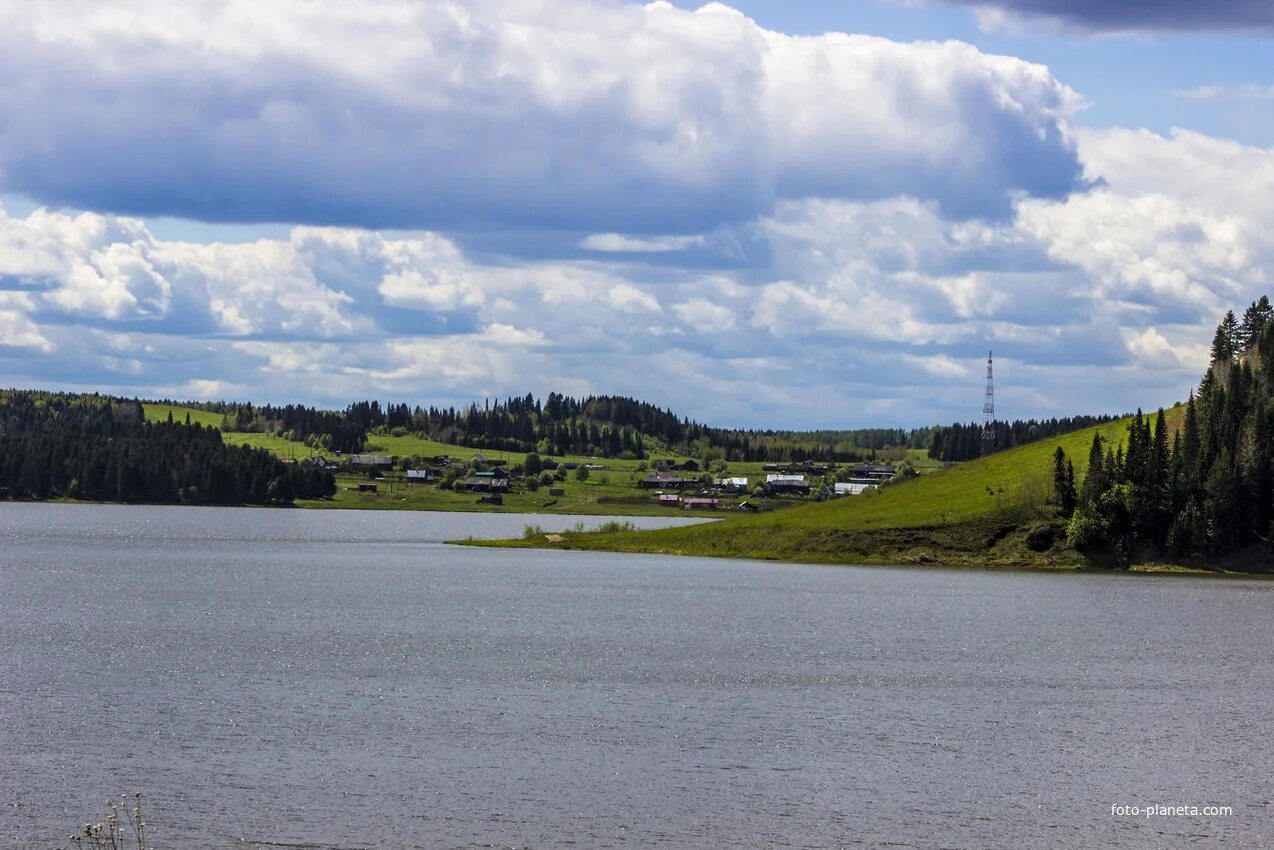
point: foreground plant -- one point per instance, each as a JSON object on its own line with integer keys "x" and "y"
{"x": 123, "y": 829}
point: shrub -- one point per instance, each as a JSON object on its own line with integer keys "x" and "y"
{"x": 615, "y": 526}
{"x": 533, "y": 465}
{"x": 111, "y": 834}
{"x": 1039, "y": 537}
{"x": 1086, "y": 529}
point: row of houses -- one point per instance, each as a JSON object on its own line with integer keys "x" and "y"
{"x": 795, "y": 468}
{"x": 865, "y": 477}
{"x": 667, "y": 481}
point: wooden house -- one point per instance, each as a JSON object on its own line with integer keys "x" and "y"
{"x": 787, "y": 485}
{"x": 664, "y": 481}
{"x": 873, "y": 471}
{"x": 372, "y": 461}
{"x": 485, "y": 483}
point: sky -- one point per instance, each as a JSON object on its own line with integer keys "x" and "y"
{"x": 763, "y": 214}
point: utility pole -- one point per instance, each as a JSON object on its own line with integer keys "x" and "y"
{"x": 988, "y": 411}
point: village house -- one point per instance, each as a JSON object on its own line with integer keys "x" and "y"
{"x": 802, "y": 467}
{"x": 669, "y": 500}
{"x": 733, "y": 484}
{"x": 872, "y": 471}
{"x": 419, "y": 476}
{"x": 658, "y": 480}
{"x": 787, "y": 485}
{"x": 365, "y": 462}
{"x": 698, "y": 504}
{"x": 855, "y": 486}
{"x": 493, "y": 481}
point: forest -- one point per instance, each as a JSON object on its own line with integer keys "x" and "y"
{"x": 613, "y": 427}
{"x": 1204, "y": 489}
{"x": 596, "y": 426}
{"x": 963, "y": 441}
{"x": 55, "y": 445}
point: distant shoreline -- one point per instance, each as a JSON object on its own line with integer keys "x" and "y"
{"x": 591, "y": 542}
{"x": 624, "y": 543}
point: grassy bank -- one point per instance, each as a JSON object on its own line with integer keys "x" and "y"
{"x": 991, "y": 512}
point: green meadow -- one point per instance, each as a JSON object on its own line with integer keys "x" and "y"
{"x": 160, "y": 412}
{"x": 976, "y": 514}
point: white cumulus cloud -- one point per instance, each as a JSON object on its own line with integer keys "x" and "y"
{"x": 583, "y": 114}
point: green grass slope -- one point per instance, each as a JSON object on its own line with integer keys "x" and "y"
{"x": 975, "y": 514}
{"x": 159, "y": 413}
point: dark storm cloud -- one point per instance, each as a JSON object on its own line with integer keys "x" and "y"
{"x": 1134, "y": 15}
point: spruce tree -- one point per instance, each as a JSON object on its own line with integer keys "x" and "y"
{"x": 1225, "y": 341}
{"x": 1095, "y": 479}
{"x": 1255, "y": 318}
{"x": 1063, "y": 483}
{"x": 1070, "y": 488}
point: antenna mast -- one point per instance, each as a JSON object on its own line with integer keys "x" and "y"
{"x": 988, "y": 410}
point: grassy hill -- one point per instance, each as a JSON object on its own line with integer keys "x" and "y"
{"x": 976, "y": 514}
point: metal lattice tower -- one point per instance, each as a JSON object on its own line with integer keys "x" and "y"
{"x": 988, "y": 410}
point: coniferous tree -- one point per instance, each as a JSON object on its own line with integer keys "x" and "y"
{"x": 1063, "y": 483}
{"x": 1096, "y": 480}
{"x": 1224, "y": 341}
{"x": 1255, "y": 318}
{"x": 1209, "y": 487}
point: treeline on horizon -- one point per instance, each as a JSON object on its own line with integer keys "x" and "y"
{"x": 962, "y": 441}
{"x": 595, "y": 426}
{"x": 1208, "y": 489}
{"x": 612, "y": 427}
{"x": 57, "y": 445}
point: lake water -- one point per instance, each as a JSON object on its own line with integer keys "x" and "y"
{"x": 343, "y": 680}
